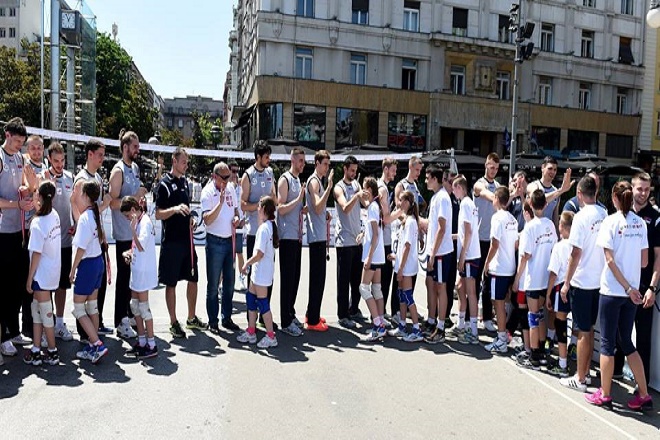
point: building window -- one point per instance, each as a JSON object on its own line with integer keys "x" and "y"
{"x": 356, "y": 127}
{"x": 548, "y": 37}
{"x": 309, "y": 125}
{"x": 271, "y": 121}
{"x": 584, "y": 96}
{"x": 305, "y": 8}
{"x": 504, "y": 35}
{"x": 406, "y": 132}
{"x": 503, "y": 83}
{"x": 411, "y": 16}
{"x": 2, "y": 12}
{"x": 12, "y": 32}
{"x": 545, "y": 137}
{"x": 587, "y": 44}
{"x": 619, "y": 146}
{"x": 627, "y": 7}
{"x": 361, "y": 11}
{"x": 589, "y": 3}
{"x": 625, "y": 50}
{"x": 545, "y": 91}
{"x": 459, "y": 23}
{"x": 304, "y": 58}
{"x": 358, "y": 68}
{"x": 180, "y": 110}
{"x": 657, "y": 124}
{"x": 583, "y": 141}
{"x": 457, "y": 80}
{"x": 622, "y": 101}
{"x": 12, "y": 12}
{"x": 170, "y": 122}
{"x": 180, "y": 123}
{"x": 408, "y": 74}
{"x": 3, "y": 33}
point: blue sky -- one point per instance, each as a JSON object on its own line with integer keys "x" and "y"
{"x": 181, "y": 47}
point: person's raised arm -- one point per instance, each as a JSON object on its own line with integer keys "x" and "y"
{"x": 480, "y": 190}
{"x": 246, "y": 206}
{"x": 116, "y": 177}
{"x": 345, "y": 205}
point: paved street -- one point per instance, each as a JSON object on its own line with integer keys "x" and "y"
{"x": 316, "y": 386}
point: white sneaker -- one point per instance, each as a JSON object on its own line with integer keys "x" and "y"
{"x": 267, "y": 342}
{"x": 497, "y": 346}
{"x": 489, "y": 326}
{"x": 396, "y": 319}
{"x": 21, "y": 340}
{"x": 131, "y": 322}
{"x": 246, "y": 338}
{"x": 8, "y": 349}
{"x": 574, "y": 383}
{"x": 292, "y": 330}
{"x": 124, "y": 330}
{"x": 62, "y": 332}
{"x": 397, "y": 333}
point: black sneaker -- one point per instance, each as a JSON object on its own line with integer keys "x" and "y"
{"x": 146, "y": 352}
{"x": 196, "y": 324}
{"x": 51, "y": 357}
{"x": 33, "y": 357}
{"x": 229, "y": 325}
{"x": 214, "y": 329}
{"x": 427, "y": 328}
{"x": 448, "y": 323}
{"x": 134, "y": 350}
{"x": 176, "y": 330}
{"x": 438, "y": 336}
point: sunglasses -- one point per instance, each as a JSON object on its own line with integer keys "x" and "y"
{"x": 234, "y": 170}
{"x": 224, "y": 177}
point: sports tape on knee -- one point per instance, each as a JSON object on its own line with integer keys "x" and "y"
{"x": 541, "y": 315}
{"x": 92, "y": 307}
{"x": 263, "y": 305}
{"x": 46, "y": 312}
{"x": 401, "y": 296}
{"x": 408, "y": 295}
{"x": 36, "y": 316}
{"x": 79, "y": 310}
{"x": 561, "y": 329}
{"x": 365, "y": 291}
{"x": 251, "y": 301}
{"x": 135, "y": 308}
{"x": 533, "y": 319}
{"x": 377, "y": 291}
{"x": 144, "y": 310}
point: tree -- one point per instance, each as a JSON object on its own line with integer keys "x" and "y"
{"x": 122, "y": 98}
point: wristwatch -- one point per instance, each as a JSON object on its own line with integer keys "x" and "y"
{"x": 653, "y": 289}
{"x": 629, "y": 289}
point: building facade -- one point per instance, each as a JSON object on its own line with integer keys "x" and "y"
{"x": 19, "y": 19}
{"x": 429, "y": 74}
{"x": 649, "y": 136}
{"x": 178, "y": 112}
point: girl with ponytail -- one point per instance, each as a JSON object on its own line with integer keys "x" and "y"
{"x": 261, "y": 276}
{"x": 43, "y": 276}
{"x": 87, "y": 270}
{"x": 623, "y": 238}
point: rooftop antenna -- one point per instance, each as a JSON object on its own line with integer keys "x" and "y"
{"x": 115, "y": 31}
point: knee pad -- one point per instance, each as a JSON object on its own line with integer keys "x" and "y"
{"x": 401, "y": 296}
{"x": 533, "y": 319}
{"x": 46, "y": 312}
{"x": 541, "y": 315}
{"x": 408, "y": 297}
{"x": 251, "y": 301}
{"x": 365, "y": 291}
{"x": 377, "y": 291}
{"x": 145, "y": 311}
{"x": 561, "y": 329}
{"x": 36, "y": 316}
{"x": 92, "y": 307}
{"x": 263, "y": 305}
{"x": 79, "y": 310}
{"x": 522, "y": 318}
{"x": 135, "y": 306}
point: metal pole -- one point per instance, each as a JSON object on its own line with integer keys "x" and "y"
{"x": 43, "y": 36}
{"x": 70, "y": 89}
{"x": 55, "y": 64}
{"x": 514, "y": 109}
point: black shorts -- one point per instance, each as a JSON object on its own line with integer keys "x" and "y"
{"x": 441, "y": 268}
{"x": 558, "y": 304}
{"x": 584, "y": 304}
{"x": 375, "y": 267}
{"x": 174, "y": 264}
{"x": 536, "y": 294}
{"x": 472, "y": 268}
{"x": 67, "y": 257}
{"x": 497, "y": 286}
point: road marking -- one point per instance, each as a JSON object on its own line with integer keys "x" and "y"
{"x": 582, "y": 407}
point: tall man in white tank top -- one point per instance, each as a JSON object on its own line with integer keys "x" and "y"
{"x": 290, "y": 211}
{"x": 484, "y": 190}
{"x": 124, "y": 181}
{"x": 257, "y": 181}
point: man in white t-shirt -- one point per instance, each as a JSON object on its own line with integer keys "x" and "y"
{"x": 583, "y": 277}
{"x": 536, "y": 243}
{"x": 500, "y": 264}
{"x": 439, "y": 251}
{"x": 220, "y": 214}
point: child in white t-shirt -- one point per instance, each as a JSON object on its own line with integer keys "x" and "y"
{"x": 554, "y": 300}
{"x": 261, "y": 277}
{"x": 536, "y": 243}
{"x": 500, "y": 264}
{"x": 373, "y": 257}
{"x": 405, "y": 267}
{"x": 44, "y": 275}
{"x": 144, "y": 275}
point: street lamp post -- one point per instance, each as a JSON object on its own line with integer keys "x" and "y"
{"x": 215, "y": 135}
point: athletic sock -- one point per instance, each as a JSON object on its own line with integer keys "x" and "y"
{"x": 461, "y": 320}
{"x": 59, "y": 321}
{"x": 35, "y": 349}
{"x": 473, "y": 326}
{"x": 551, "y": 334}
{"x": 501, "y": 336}
{"x": 378, "y": 321}
{"x": 416, "y": 326}
{"x": 431, "y": 321}
{"x": 151, "y": 342}
{"x": 251, "y": 331}
{"x": 142, "y": 340}
{"x": 573, "y": 338}
{"x": 271, "y": 335}
{"x": 441, "y": 324}
{"x": 562, "y": 362}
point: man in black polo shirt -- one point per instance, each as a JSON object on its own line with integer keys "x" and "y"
{"x": 650, "y": 276}
{"x": 178, "y": 259}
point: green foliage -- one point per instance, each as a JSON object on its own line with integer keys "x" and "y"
{"x": 122, "y": 99}
{"x": 20, "y": 83}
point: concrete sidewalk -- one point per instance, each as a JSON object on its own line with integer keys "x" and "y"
{"x": 316, "y": 386}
